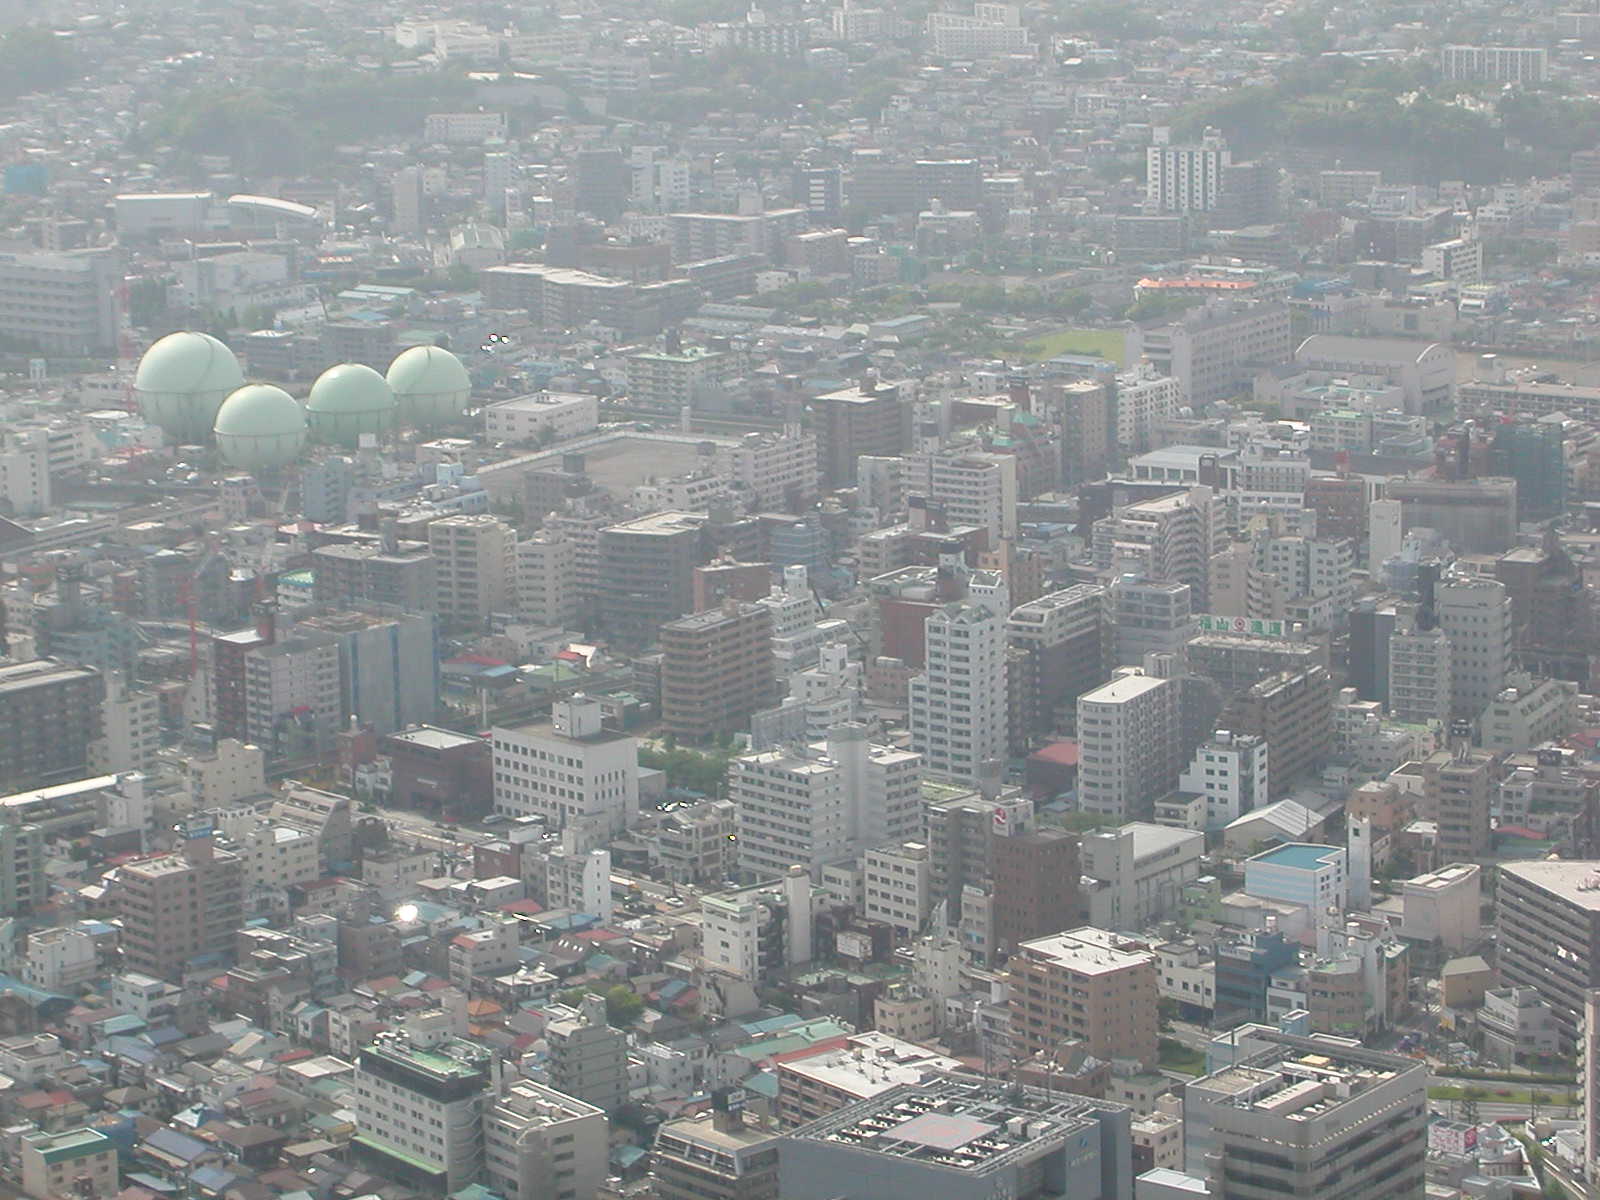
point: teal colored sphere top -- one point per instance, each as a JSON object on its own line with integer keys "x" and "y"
{"x": 181, "y": 382}
{"x": 188, "y": 362}
{"x": 350, "y": 388}
{"x": 260, "y": 410}
{"x": 430, "y": 385}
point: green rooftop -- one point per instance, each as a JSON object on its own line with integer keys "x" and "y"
{"x": 65, "y": 1147}
{"x": 390, "y": 1150}
{"x": 435, "y": 1063}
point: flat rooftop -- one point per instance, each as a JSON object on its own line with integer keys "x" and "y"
{"x": 1123, "y": 689}
{"x": 1576, "y": 882}
{"x": 431, "y": 738}
{"x": 959, "y": 1122}
{"x": 40, "y": 672}
{"x": 1088, "y": 951}
{"x": 1304, "y": 856}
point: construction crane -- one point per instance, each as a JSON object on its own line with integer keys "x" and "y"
{"x": 186, "y": 598}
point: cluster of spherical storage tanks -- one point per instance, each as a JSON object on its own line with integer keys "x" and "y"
{"x": 190, "y": 386}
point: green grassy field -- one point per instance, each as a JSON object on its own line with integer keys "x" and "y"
{"x": 1173, "y": 1055}
{"x": 1107, "y": 343}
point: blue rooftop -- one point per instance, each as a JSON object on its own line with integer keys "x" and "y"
{"x": 1305, "y": 856}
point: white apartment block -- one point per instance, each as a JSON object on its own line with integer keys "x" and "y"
{"x": 956, "y": 35}
{"x": 232, "y": 772}
{"x": 823, "y": 804}
{"x": 538, "y": 1142}
{"x": 61, "y": 303}
{"x": 1295, "y": 577}
{"x": 1168, "y": 539}
{"x": 1497, "y": 64}
{"x": 898, "y": 884}
{"x": 1213, "y": 353}
{"x": 1127, "y": 740}
{"x": 733, "y": 926}
{"x": 1230, "y": 771}
{"x": 1459, "y": 260}
{"x": 567, "y": 769}
{"x": 1144, "y": 400}
{"x": 474, "y": 568}
{"x": 541, "y": 417}
{"x": 420, "y": 1099}
{"x": 130, "y": 736}
{"x": 579, "y": 881}
{"x": 957, "y": 706}
{"x": 1528, "y": 713}
{"x": 277, "y": 856}
{"x": 1475, "y": 614}
{"x": 547, "y": 564}
{"x": 1420, "y": 685}
{"x": 25, "y": 472}
{"x": 59, "y": 959}
{"x": 295, "y": 677}
{"x": 792, "y": 809}
{"x": 973, "y": 487}
{"x": 778, "y": 472}
{"x": 464, "y": 128}
{"x": 1186, "y": 178}
{"x": 830, "y": 692}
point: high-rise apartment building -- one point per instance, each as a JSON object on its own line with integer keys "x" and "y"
{"x": 895, "y": 882}
{"x": 1065, "y": 638}
{"x": 538, "y": 1142}
{"x": 1549, "y": 923}
{"x": 962, "y": 1137}
{"x": 958, "y": 712}
{"x": 1304, "y": 579}
{"x": 873, "y": 417}
{"x": 474, "y": 568}
{"x": 717, "y": 669}
{"x": 971, "y": 486}
{"x": 568, "y": 769}
{"x": 419, "y": 1100}
{"x": 389, "y": 572}
{"x": 60, "y": 303}
{"x": 179, "y": 906}
{"x": 388, "y": 666}
{"x": 1231, "y": 772}
{"x": 1035, "y": 883}
{"x": 715, "y": 1156}
{"x": 1458, "y": 790}
{"x": 1302, "y": 1118}
{"x": 588, "y": 1058}
{"x": 547, "y": 593}
{"x": 1128, "y": 745}
{"x": 1149, "y": 616}
{"x": 1417, "y": 673}
{"x": 1293, "y": 713}
{"x": 130, "y": 730}
{"x": 1475, "y": 614}
{"x": 290, "y": 693}
{"x": 820, "y": 805}
{"x": 49, "y": 718}
{"x": 645, "y": 574}
{"x": 1214, "y": 351}
{"x": 1168, "y": 539}
{"x": 1186, "y": 178}
{"x": 756, "y": 933}
{"x": 1085, "y": 984}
